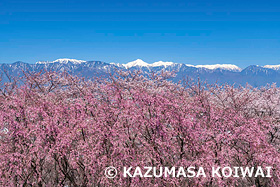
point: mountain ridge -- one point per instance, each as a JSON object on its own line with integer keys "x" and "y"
{"x": 216, "y": 73}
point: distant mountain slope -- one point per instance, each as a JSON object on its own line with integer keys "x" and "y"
{"x": 220, "y": 73}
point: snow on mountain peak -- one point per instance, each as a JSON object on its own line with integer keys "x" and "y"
{"x": 141, "y": 63}
{"x": 274, "y": 67}
{"x": 43, "y": 62}
{"x": 230, "y": 67}
{"x": 66, "y": 60}
{"x": 137, "y": 62}
{"x": 62, "y": 61}
{"x": 161, "y": 63}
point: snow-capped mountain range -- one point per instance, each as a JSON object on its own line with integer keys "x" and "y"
{"x": 62, "y": 61}
{"x": 141, "y": 63}
{"x": 221, "y": 73}
{"x": 275, "y": 67}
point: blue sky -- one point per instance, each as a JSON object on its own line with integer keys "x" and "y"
{"x": 194, "y": 32}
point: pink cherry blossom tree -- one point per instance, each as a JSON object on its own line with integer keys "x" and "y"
{"x": 60, "y": 130}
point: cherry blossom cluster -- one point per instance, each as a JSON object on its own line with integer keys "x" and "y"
{"x": 61, "y": 130}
